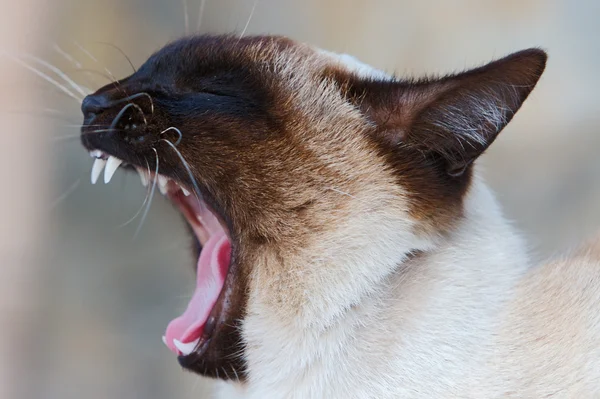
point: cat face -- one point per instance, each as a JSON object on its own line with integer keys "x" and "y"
{"x": 305, "y": 176}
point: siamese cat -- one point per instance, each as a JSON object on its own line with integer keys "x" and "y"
{"x": 347, "y": 246}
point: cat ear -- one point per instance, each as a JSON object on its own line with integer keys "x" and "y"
{"x": 456, "y": 117}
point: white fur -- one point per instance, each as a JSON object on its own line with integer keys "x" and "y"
{"x": 435, "y": 326}
{"x": 379, "y": 347}
{"x": 355, "y": 65}
{"x": 373, "y": 307}
{"x": 468, "y": 126}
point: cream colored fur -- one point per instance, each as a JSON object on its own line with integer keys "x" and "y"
{"x": 372, "y": 307}
{"x": 466, "y": 318}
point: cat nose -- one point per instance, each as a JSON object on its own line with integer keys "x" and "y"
{"x": 94, "y": 104}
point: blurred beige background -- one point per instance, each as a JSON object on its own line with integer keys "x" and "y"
{"x": 83, "y": 305}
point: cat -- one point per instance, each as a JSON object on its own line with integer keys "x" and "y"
{"x": 347, "y": 246}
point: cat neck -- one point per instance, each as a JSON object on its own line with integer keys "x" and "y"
{"x": 407, "y": 329}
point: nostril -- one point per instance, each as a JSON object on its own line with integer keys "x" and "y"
{"x": 94, "y": 104}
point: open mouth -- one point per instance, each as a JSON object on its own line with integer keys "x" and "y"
{"x": 191, "y": 333}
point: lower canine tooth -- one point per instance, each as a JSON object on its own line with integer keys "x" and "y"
{"x": 185, "y": 192}
{"x": 186, "y": 349}
{"x": 162, "y": 184}
{"x": 143, "y": 177}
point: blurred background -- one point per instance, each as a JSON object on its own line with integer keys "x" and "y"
{"x": 83, "y": 304}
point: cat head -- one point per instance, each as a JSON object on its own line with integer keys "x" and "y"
{"x": 305, "y": 176}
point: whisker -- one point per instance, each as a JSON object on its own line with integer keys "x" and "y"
{"x": 58, "y": 72}
{"x": 137, "y": 95}
{"x": 249, "y": 18}
{"x": 174, "y": 129}
{"x": 141, "y": 207}
{"x": 47, "y": 78}
{"x": 104, "y": 75}
{"x": 108, "y": 76}
{"x": 186, "y": 165}
{"x": 65, "y": 194}
{"x": 53, "y": 111}
{"x": 115, "y": 80}
{"x": 101, "y": 131}
{"x": 200, "y": 14}
{"x": 186, "y": 17}
{"x": 73, "y": 61}
{"x": 235, "y": 355}
{"x": 45, "y": 113}
{"x": 122, "y": 52}
{"x": 65, "y": 137}
{"x": 145, "y": 214}
{"x": 122, "y": 111}
{"x": 80, "y": 125}
{"x": 72, "y": 136}
{"x": 67, "y": 56}
{"x": 84, "y": 51}
{"x": 112, "y": 76}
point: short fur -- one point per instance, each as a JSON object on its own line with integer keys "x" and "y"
{"x": 369, "y": 259}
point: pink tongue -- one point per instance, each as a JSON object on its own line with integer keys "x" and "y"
{"x": 212, "y": 269}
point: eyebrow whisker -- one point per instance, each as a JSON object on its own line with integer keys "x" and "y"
{"x": 122, "y": 52}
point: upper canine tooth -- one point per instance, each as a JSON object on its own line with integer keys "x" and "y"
{"x": 186, "y": 348}
{"x": 96, "y": 154}
{"x": 97, "y": 169}
{"x": 162, "y": 184}
{"x": 185, "y": 192}
{"x": 111, "y": 166}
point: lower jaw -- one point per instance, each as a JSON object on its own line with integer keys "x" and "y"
{"x": 218, "y": 350}
{"x": 190, "y": 332}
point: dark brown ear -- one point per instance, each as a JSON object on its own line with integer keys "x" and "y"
{"x": 456, "y": 117}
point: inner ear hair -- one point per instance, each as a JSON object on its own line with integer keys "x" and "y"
{"x": 455, "y": 117}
